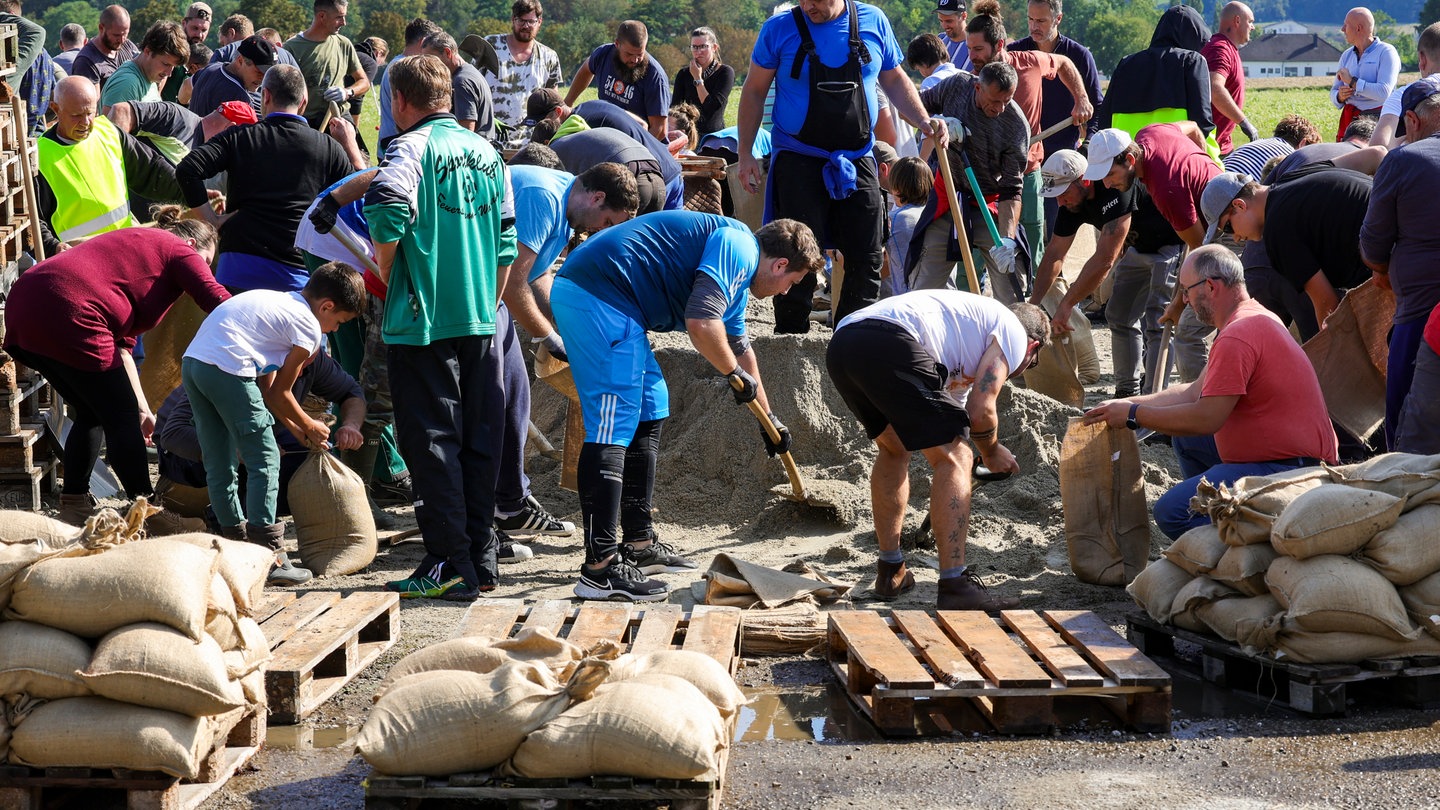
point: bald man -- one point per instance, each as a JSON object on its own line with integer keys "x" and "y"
{"x": 110, "y": 48}
{"x": 1227, "y": 75}
{"x": 1368, "y": 70}
{"x": 89, "y": 168}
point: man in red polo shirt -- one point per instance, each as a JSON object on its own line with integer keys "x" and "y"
{"x": 1227, "y": 76}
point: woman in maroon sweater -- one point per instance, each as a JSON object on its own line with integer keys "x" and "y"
{"x": 74, "y": 318}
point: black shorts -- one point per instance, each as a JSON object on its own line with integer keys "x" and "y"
{"x": 887, "y": 379}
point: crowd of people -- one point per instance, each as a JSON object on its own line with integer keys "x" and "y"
{"x": 428, "y": 258}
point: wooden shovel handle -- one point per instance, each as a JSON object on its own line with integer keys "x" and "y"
{"x": 971, "y": 276}
{"x": 791, "y": 470}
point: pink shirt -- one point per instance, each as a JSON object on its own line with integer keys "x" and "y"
{"x": 1224, "y": 58}
{"x": 1033, "y": 68}
{"x": 85, "y": 306}
{"x": 1281, "y": 412}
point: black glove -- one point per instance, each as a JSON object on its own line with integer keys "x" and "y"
{"x": 773, "y": 449}
{"x": 1250, "y": 131}
{"x": 742, "y": 385}
{"x": 325, "y": 214}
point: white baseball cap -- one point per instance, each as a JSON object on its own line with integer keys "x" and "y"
{"x": 1060, "y": 170}
{"x": 1105, "y": 146}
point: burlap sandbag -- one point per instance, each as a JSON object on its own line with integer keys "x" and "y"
{"x": 1246, "y": 511}
{"x": 1156, "y": 587}
{"x": 700, "y": 670}
{"x": 221, "y": 615}
{"x": 1198, "y": 551}
{"x": 1287, "y": 641}
{"x": 1414, "y": 478}
{"x": 1223, "y": 616}
{"x": 1408, "y": 551}
{"x": 1197, "y": 593}
{"x": 156, "y": 666}
{"x": 1422, "y": 602}
{"x": 41, "y": 661}
{"x": 651, "y": 726}
{"x": 1243, "y": 568}
{"x": 157, "y": 580}
{"x": 1330, "y": 594}
{"x": 445, "y": 721}
{"x": 20, "y": 527}
{"x": 482, "y": 655}
{"x": 252, "y": 651}
{"x": 92, "y": 732}
{"x": 244, "y": 566}
{"x": 1333, "y": 519}
{"x": 1107, "y": 526}
{"x": 1349, "y": 356}
{"x": 333, "y": 524}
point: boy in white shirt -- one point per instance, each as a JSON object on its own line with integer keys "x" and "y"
{"x": 238, "y": 373}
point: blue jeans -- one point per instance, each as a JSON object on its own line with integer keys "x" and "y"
{"x": 1198, "y": 459}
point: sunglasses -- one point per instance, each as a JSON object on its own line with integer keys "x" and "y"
{"x": 201, "y": 14}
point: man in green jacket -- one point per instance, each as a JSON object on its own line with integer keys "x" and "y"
{"x": 442, "y": 219}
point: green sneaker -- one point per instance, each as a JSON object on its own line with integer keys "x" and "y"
{"x": 425, "y": 587}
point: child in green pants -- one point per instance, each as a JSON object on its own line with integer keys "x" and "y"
{"x": 238, "y": 372}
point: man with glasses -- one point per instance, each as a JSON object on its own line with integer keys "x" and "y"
{"x": 526, "y": 65}
{"x": 1309, "y": 224}
{"x": 922, "y": 371}
{"x": 1256, "y": 408}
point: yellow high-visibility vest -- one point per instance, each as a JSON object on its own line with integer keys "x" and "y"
{"x": 88, "y": 180}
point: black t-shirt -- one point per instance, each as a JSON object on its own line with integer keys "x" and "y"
{"x": 1311, "y": 225}
{"x": 1149, "y": 230}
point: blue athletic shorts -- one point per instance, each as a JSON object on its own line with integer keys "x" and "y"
{"x": 615, "y": 372}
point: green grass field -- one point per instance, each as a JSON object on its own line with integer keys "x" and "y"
{"x": 1264, "y": 105}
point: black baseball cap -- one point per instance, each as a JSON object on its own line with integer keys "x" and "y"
{"x": 258, "y": 50}
{"x": 950, "y": 6}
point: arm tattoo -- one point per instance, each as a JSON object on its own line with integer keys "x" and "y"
{"x": 983, "y": 434}
{"x": 987, "y": 382}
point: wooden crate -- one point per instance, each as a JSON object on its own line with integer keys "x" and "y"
{"x": 319, "y": 642}
{"x": 714, "y": 631}
{"x": 963, "y": 671}
{"x": 1317, "y": 690}
{"x": 24, "y": 788}
{"x": 9, "y": 50}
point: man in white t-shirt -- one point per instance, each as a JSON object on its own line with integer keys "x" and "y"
{"x": 921, "y": 371}
{"x": 525, "y": 66}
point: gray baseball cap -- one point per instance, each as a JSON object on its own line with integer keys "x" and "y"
{"x": 1060, "y": 170}
{"x": 1222, "y": 190}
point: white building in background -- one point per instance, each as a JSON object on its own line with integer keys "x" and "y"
{"x": 1279, "y": 55}
{"x": 1285, "y": 27}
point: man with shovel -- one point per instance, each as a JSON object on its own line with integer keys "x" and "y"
{"x": 922, "y": 371}
{"x": 662, "y": 272}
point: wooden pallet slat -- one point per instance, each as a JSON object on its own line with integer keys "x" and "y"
{"x": 657, "y": 629}
{"x": 1115, "y": 657}
{"x": 715, "y": 632}
{"x": 599, "y": 622}
{"x": 289, "y": 619}
{"x": 550, "y": 615}
{"x": 490, "y": 618}
{"x": 322, "y": 654}
{"x": 1062, "y": 659}
{"x": 875, "y": 649}
{"x": 944, "y": 658}
{"x": 991, "y": 649}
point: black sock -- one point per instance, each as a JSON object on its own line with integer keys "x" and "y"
{"x": 599, "y": 475}
{"x": 636, "y": 520}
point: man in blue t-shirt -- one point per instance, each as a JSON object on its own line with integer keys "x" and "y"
{"x": 628, "y": 77}
{"x": 662, "y": 272}
{"x": 822, "y": 173}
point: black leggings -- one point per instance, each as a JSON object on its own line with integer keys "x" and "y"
{"x": 104, "y": 405}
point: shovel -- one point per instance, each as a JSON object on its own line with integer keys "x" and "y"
{"x": 797, "y": 491}
{"x": 556, "y": 373}
{"x": 972, "y": 278}
{"x": 1163, "y": 362}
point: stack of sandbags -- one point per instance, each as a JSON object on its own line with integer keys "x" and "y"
{"x": 1319, "y": 565}
{"x": 122, "y": 651}
{"x": 538, "y": 706}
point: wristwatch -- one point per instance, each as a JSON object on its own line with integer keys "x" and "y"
{"x": 1130, "y": 420}
{"x": 699, "y": 82}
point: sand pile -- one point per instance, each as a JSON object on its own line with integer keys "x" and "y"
{"x": 713, "y": 473}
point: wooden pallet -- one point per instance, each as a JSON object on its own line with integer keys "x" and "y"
{"x": 714, "y": 631}
{"x": 319, "y": 642}
{"x": 961, "y": 671}
{"x": 24, "y": 788}
{"x": 1317, "y": 690}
